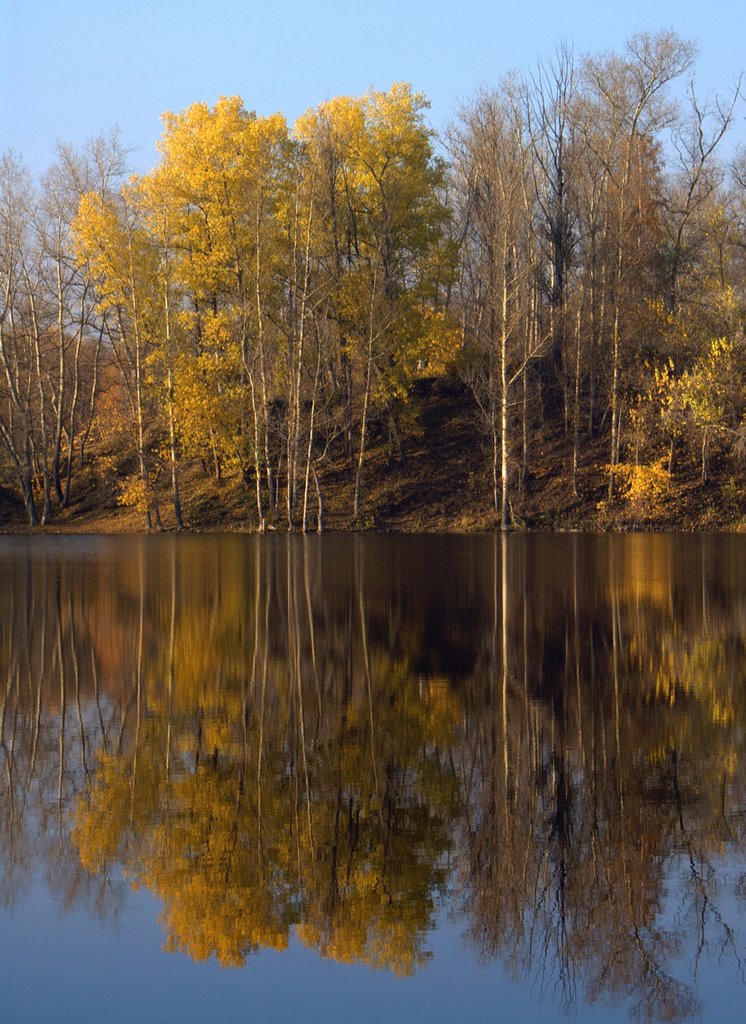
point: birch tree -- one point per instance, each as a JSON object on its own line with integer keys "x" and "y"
{"x": 493, "y": 165}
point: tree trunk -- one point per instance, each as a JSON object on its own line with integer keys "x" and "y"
{"x": 366, "y": 401}
{"x": 174, "y": 461}
{"x": 57, "y": 441}
{"x": 44, "y": 453}
{"x": 576, "y": 405}
{"x": 504, "y": 409}
{"x": 176, "y": 497}
{"x": 257, "y": 455}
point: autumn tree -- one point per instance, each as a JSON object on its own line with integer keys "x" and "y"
{"x": 629, "y": 107}
{"x": 17, "y": 420}
{"x": 123, "y": 264}
{"x": 222, "y": 182}
{"x": 382, "y": 245}
{"x": 50, "y": 332}
{"x": 494, "y": 167}
{"x": 550, "y": 98}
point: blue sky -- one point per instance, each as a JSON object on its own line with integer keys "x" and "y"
{"x": 72, "y": 68}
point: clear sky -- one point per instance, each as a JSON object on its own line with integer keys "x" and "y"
{"x": 72, "y": 68}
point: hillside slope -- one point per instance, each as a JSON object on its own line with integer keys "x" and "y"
{"x": 435, "y": 477}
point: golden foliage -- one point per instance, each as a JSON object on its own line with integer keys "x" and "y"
{"x": 644, "y": 488}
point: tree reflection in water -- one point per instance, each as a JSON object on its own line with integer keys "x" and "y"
{"x": 337, "y": 737}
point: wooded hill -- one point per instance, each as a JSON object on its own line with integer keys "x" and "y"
{"x": 537, "y": 320}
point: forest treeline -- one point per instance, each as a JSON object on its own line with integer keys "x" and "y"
{"x": 259, "y": 306}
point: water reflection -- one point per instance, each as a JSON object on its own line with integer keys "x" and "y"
{"x": 338, "y": 737}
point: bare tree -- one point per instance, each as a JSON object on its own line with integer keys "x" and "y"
{"x": 631, "y": 106}
{"x": 493, "y": 163}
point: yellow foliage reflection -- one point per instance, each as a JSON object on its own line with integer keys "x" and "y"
{"x": 281, "y": 737}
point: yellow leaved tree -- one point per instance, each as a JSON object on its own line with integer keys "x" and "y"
{"x": 382, "y": 244}
{"x": 123, "y": 263}
{"x": 223, "y": 184}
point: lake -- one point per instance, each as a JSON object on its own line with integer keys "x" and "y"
{"x": 403, "y": 778}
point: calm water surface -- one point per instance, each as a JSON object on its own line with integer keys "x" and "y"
{"x": 412, "y": 779}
